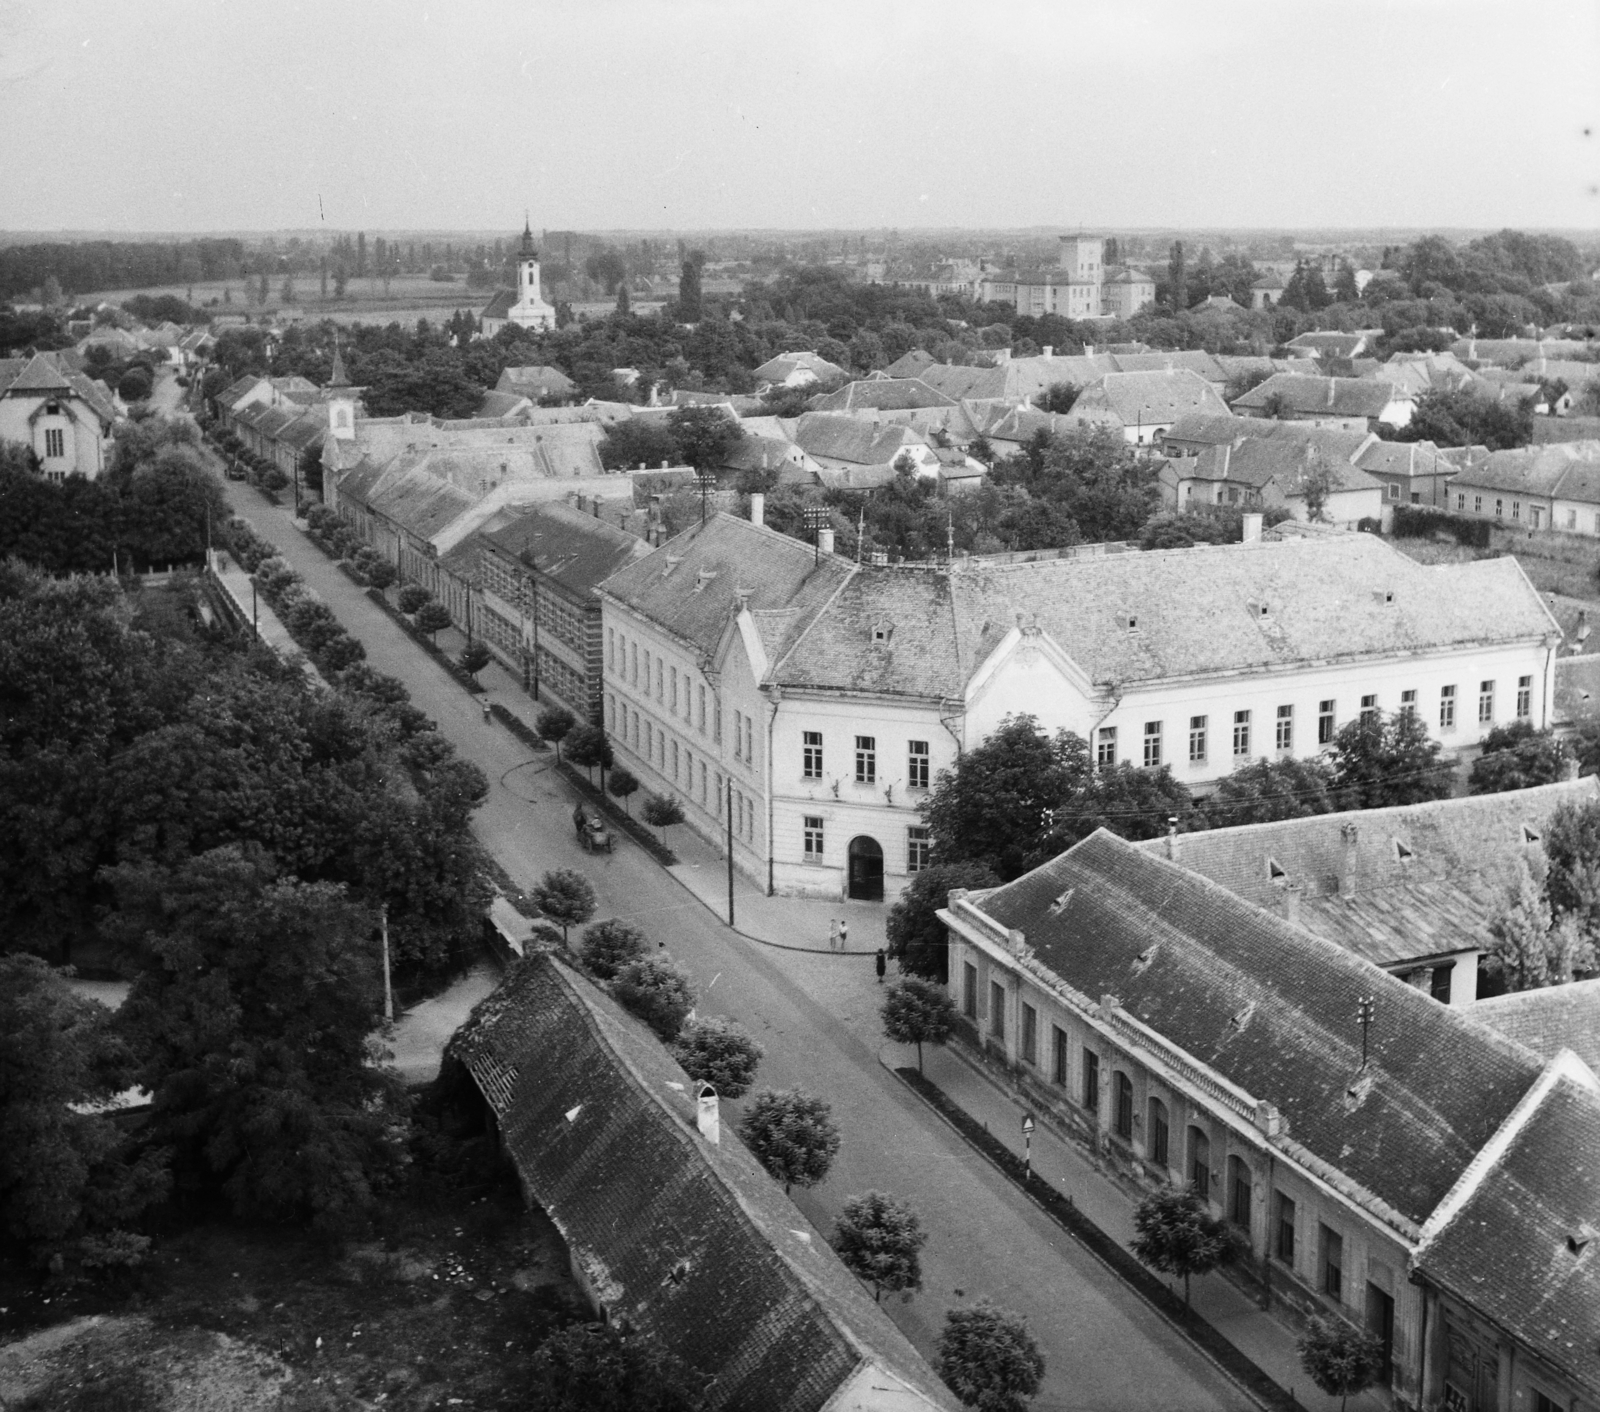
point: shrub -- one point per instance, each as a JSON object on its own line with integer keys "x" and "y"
{"x": 1175, "y": 1235}
{"x": 621, "y": 784}
{"x": 475, "y": 656}
{"x": 663, "y": 811}
{"x": 587, "y": 747}
{"x": 432, "y": 618}
{"x": 274, "y": 479}
{"x": 338, "y": 653}
{"x": 412, "y": 597}
{"x": 719, "y": 1053}
{"x": 655, "y": 990}
{"x": 987, "y": 1357}
{"x": 380, "y": 573}
{"x": 610, "y": 945}
{"x": 565, "y": 897}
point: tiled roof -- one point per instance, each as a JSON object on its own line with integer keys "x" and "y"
{"x": 501, "y": 404}
{"x": 45, "y": 373}
{"x": 306, "y": 431}
{"x": 1522, "y": 1249}
{"x": 1357, "y": 890}
{"x": 1334, "y": 397}
{"x": 777, "y": 369}
{"x": 759, "y": 453}
{"x": 1576, "y": 696}
{"x": 575, "y": 549}
{"x": 692, "y": 583}
{"x": 240, "y": 387}
{"x": 499, "y": 307}
{"x": 910, "y": 365}
{"x": 1549, "y": 1020}
{"x": 1131, "y": 398}
{"x": 1567, "y": 470}
{"x": 1403, "y": 458}
{"x": 535, "y": 380}
{"x": 1515, "y": 350}
{"x": 1341, "y": 345}
{"x": 881, "y": 393}
{"x": 686, "y": 1239}
{"x": 1258, "y": 461}
{"x": 1272, "y": 1009}
{"x": 859, "y": 440}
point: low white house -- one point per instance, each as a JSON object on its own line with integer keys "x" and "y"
{"x": 818, "y": 699}
{"x": 63, "y": 416}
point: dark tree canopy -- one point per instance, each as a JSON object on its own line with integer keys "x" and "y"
{"x": 913, "y": 929}
{"x": 598, "y": 1368}
{"x": 918, "y": 1012}
{"x": 792, "y": 1135}
{"x": 1517, "y": 757}
{"x": 718, "y": 1052}
{"x": 987, "y": 1357}
{"x": 657, "y": 990}
{"x": 1265, "y": 791}
{"x": 1381, "y": 760}
{"x": 1174, "y": 1234}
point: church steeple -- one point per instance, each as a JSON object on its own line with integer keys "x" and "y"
{"x": 527, "y": 250}
{"x": 339, "y": 378}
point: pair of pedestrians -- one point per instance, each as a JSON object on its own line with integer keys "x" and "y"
{"x": 839, "y": 940}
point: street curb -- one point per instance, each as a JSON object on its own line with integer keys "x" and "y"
{"x": 1206, "y": 1340}
{"x": 758, "y": 940}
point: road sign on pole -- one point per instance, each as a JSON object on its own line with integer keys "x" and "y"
{"x": 1027, "y": 1146}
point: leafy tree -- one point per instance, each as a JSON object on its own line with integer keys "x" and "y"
{"x": 475, "y": 656}
{"x": 63, "y": 1171}
{"x": 1316, "y": 485}
{"x": 136, "y": 384}
{"x": 252, "y": 1021}
{"x": 622, "y": 784}
{"x": 610, "y": 945}
{"x": 994, "y": 806}
{"x": 1517, "y": 757}
{"x": 432, "y": 618}
{"x": 1534, "y": 947}
{"x": 987, "y": 1357}
{"x": 1059, "y": 397}
{"x": 1178, "y": 277}
{"x": 690, "y": 307}
{"x": 1340, "y": 1358}
{"x": 1174, "y": 1235}
{"x": 661, "y": 810}
{"x": 412, "y": 597}
{"x": 704, "y": 436}
{"x": 1572, "y": 847}
{"x": 565, "y": 897}
{"x": 598, "y": 1368}
{"x": 1128, "y": 801}
{"x": 629, "y": 444}
{"x": 1167, "y": 530}
{"x": 588, "y": 746}
{"x": 1381, "y": 760}
{"x": 918, "y": 1012}
{"x": 878, "y": 1239}
{"x": 1265, "y": 791}
{"x": 792, "y": 1135}
{"x": 1465, "y": 419}
{"x": 913, "y": 929}
{"x": 381, "y": 573}
{"x": 554, "y": 724}
{"x": 658, "y": 992}
{"x": 717, "y": 1052}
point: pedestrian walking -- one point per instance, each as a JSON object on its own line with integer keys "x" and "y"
{"x": 844, "y": 936}
{"x": 883, "y": 965}
{"x": 833, "y": 933}
{"x": 485, "y": 702}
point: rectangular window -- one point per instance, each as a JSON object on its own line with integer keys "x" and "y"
{"x": 611, "y": 648}
{"x": 716, "y": 722}
{"x": 811, "y": 755}
{"x": 997, "y": 1010}
{"x": 919, "y": 848}
{"x": 1058, "y": 1054}
{"x": 1516, "y": 509}
{"x": 1461, "y": 500}
{"x": 1369, "y": 706}
{"x": 55, "y": 442}
{"x": 1200, "y": 1163}
{"x": 1030, "y": 1034}
{"x": 1447, "y": 708}
{"x": 661, "y": 684}
{"x": 1477, "y": 504}
{"x": 1394, "y": 491}
{"x": 1485, "y": 702}
{"x": 1105, "y": 747}
{"x": 1499, "y": 509}
{"x": 634, "y": 658}
{"x": 1535, "y": 516}
{"x": 1284, "y": 737}
{"x": 1241, "y": 732}
{"x": 1408, "y": 702}
{"x": 1197, "y": 740}
{"x": 1326, "y": 721}
{"x": 1572, "y": 519}
{"x": 1091, "y": 1080}
{"x": 813, "y": 837}
{"x": 738, "y": 735}
{"x": 749, "y": 740}
{"x": 674, "y": 691}
{"x": 1152, "y": 745}
{"x": 969, "y": 990}
{"x": 1524, "y": 698}
{"x": 866, "y": 759}
{"x": 702, "y": 710}
{"x": 1160, "y": 1134}
{"x": 702, "y": 783}
{"x": 674, "y": 762}
{"x": 1239, "y": 1193}
{"x": 1122, "y": 1105}
{"x": 1332, "y": 1281}
{"x": 917, "y": 763}
{"x": 1285, "y": 1230}
{"x": 1542, "y": 1403}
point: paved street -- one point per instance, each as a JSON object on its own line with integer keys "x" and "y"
{"x": 816, "y": 1015}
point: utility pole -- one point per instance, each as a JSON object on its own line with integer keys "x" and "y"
{"x": 730, "y": 850}
{"x": 706, "y": 484}
{"x": 388, "y": 989}
{"x": 1366, "y": 1010}
{"x": 816, "y": 521}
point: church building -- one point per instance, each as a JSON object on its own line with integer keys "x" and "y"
{"x": 529, "y": 310}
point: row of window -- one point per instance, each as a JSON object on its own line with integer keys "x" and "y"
{"x": 686, "y": 699}
{"x": 55, "y": 441}
{"x": 1153, "y": 752}
{"x": 919, "y": 846}
{"x": 1237, "y": 1199}
{"x": 918, "y": 759}
{"x": 694, "y": 776}
{"x": 1535, "y": 512}
{"x": 551, "y": 612}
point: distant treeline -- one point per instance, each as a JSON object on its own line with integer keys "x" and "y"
{"x": 114, "y": 264}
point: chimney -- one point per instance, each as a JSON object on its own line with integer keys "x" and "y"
{"x": 1049, "y": 350}
{"x": 1172, "y": 837}
{"x": 1291, "y": 904}
{"x": 1252, "y": 527}
{"x": 758, "y": 508}
{"x": 708, "y": 1117}
{"x": 1347, "y": 859}
{"x": 825, "y": 540}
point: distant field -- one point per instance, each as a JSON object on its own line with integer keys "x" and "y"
{"x": 362, "y": 296}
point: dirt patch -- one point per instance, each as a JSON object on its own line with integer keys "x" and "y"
{"x": 444, "y": 1308}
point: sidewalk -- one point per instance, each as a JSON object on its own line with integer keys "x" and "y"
{"x": 1259, "y": 1335}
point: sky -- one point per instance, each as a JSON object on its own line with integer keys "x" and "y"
{"x": 216, "y": 115}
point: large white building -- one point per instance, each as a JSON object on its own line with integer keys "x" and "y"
{"x": 529, "y": 311}
{"x": 818, "y": 699}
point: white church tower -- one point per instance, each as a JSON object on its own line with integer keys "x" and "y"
{"x": 530, "y": 311}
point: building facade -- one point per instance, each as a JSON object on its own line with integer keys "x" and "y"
{"x": 64, "y": 418}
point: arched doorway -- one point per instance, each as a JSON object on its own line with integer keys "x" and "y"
{"x": 866, "y": 869}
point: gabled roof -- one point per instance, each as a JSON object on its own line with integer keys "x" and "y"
{"x": 859, "y": 440}
{"x": 1549, "y": 1020}
{"x": 911, "y": 365}
{"x": 1354, "y": 886}
{"x": 535, "y": 380}
{"x": 48, "y": 373}
{"x": 1566, "y": 470}
{"x": 499, "y": 306}
{"x": 1522, "y": 1245}
{"x": 1330, "y": 341}
{"x": 1406, "y": 459}
{"x": 686, "y": 1239}
{"x": 1260, "y": 461}
{"x": 575, "y": 549}
{"x": 1333, "y": 397}
{"x": 1272, "y": 1009}
{"x": 881, "y": 393}
{"x": 239, "y": 388}
{"x": 1148, "y": 397}
{"x": 777, "y": 369}
{"x": 693, "y": 583}
{"x": 502, "y": 404}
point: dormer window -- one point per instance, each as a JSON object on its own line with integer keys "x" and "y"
{"x": 1529, "y": 835}
{"x": 704, "y": 577}
{"x": 882, "y": 632}
{"x": 1276, "y": 871}
{"x": 1402, "y": 853}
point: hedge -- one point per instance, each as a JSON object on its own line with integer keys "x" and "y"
{"x": 1421, "y": 522}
